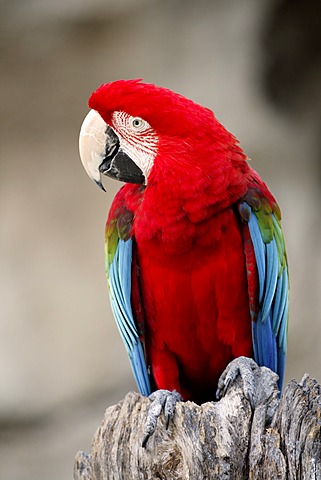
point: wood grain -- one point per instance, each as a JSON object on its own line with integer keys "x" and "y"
{"x": 281, "y": 439}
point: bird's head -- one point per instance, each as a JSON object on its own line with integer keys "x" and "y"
{"x": 130, "y": 123}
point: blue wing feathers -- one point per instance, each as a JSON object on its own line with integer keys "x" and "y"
{"x": 284, "y": 329}
{"x": 117, "y": 308}
{"x": 120, "y": 295}
{"x": 278, "y": 305}
{"x": 139, "y": 369}
{"x": 118, "y": 300}
{"x": 269, "y": 332}
{"x": 267, "y": 344}
{"x": 280, "y": 302}
{"x": 125, "y": 261}
{"x": 259, "y": 251}
{"x": 272, "y": 269}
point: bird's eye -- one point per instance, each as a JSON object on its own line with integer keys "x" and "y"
{"x": 138, "y": 123}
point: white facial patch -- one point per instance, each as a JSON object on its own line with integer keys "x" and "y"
{"x": 137, "y": 139}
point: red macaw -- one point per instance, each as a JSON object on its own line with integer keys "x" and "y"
{"x": 195, "y": 252}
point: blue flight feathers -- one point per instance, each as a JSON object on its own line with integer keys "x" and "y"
{"x": 120, "y": 294}
{"x": 269, "y": 331}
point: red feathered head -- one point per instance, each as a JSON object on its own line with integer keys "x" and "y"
{"x": 135, "y": 128}
{"x": 167, "y": 112}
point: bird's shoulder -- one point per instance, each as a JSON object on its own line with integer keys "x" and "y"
{"x": 119, "y": 225}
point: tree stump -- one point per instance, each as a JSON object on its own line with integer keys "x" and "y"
{"x": 280, "y": 439}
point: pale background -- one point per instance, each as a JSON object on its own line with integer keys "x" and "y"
{"x": 61, "y": 359}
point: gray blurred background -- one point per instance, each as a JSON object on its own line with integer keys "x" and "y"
{"x": 256, "y": 64}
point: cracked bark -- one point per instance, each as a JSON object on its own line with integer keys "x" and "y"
{"x": 281, "y": 439}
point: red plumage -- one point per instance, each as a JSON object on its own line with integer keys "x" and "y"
{"x": 192, "y": 291}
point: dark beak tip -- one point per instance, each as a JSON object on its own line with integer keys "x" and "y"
{"x": 100, "y": 185}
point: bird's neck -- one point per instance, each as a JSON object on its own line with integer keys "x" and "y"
{"x": 173, "y": 206}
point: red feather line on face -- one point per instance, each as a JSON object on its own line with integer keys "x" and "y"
{"x": 146, "y": 138}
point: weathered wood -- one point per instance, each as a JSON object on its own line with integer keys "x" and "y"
{"x": 281, "y": 439}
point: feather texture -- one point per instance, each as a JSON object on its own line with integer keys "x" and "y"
{"x": 120, "y": 294}
{"x": 269, "y": 328}
{"x": 195, "y": 259}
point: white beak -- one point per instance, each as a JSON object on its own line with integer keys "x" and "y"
{"x": 92, "y": 145}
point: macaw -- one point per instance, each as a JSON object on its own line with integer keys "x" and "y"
{"x": 195, "y": 253}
